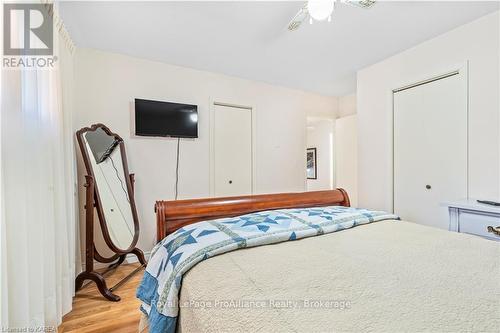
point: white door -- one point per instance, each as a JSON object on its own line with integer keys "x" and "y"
{"x": 430, "y": 149}
{"x": 232, "y": 151}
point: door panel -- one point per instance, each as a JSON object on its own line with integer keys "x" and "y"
{"x": 232, "y": 151}
{"x": 430, "y": 148}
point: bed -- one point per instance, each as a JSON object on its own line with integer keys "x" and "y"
{"x": 381, "y": 275}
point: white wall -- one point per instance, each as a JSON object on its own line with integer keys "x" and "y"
{"x": 346, "y": 156}
{"x": 107, "y": 83}
{"x": 347, "y": 105}
{"x": 320, "y": 136}
{"x": 477, "y": 42}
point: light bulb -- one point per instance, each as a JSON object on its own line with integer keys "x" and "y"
{"x": 320, "y": 10}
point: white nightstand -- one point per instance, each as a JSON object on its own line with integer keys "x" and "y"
{"x": 471, "y": 217}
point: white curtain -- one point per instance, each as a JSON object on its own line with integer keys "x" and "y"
{"x": 39, "y": 230}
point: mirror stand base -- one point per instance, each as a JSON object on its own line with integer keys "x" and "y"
{"x": 98, "y": 277}
{"x": 99, "y": 281}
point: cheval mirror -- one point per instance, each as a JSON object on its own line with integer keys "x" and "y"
{"x": 110, "y": 190}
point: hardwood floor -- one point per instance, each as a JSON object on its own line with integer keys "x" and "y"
{"x": 93, "y": 313}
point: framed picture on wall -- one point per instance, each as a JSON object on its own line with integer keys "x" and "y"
{"x": 312, "y": 168}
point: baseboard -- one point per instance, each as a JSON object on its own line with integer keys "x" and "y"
{"x": 130, "y": 259}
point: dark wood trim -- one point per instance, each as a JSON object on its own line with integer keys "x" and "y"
{"x": 89, "y": 223}
{"x": 172, "y": 215}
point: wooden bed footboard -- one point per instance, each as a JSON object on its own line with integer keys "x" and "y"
{"x": 172, "y": 215}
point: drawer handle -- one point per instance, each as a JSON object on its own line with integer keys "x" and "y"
{"x": 494, "y": 230}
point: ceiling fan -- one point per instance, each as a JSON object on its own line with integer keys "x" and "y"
{"x": 321, "y": 10}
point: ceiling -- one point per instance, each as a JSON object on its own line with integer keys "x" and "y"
{"x": 250, "y": 39}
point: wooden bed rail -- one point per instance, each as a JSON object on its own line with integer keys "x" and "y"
{"x": 172, "y": 215}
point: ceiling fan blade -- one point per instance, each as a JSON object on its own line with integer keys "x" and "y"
{"x": 300, "y": 17}
{"x": 360, "y": 3}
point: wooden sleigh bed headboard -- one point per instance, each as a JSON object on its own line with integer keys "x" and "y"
{"x": 172, "y": 215}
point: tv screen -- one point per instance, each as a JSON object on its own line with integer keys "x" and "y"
{"x": 101, "y": 144}
{"x": 155, "y": 118}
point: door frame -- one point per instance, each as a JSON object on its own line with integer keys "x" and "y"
{"x": 457, "y": 69}
{"x": 333, "y": 151}
{"x": 223, "y": 102}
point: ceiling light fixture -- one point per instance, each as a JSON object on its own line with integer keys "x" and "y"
{"x": 320, "y": 10}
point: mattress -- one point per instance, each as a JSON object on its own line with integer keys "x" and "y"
{"x": 389, "y": 276}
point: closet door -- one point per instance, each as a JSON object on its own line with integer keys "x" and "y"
{"x": 430, "y": 149}
{"x": 232, "y": 151}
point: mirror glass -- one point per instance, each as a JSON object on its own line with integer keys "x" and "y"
{"x": 110, "y": 180}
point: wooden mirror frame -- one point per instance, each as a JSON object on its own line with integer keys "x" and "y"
{"x": 93, "y": 200}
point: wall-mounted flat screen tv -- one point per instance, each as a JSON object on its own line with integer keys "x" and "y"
{"x": 155, "y": 118}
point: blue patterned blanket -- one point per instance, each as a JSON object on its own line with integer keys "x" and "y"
{"x": 180, "y": 251}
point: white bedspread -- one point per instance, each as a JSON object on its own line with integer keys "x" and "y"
{"x": 390, "y": 276}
